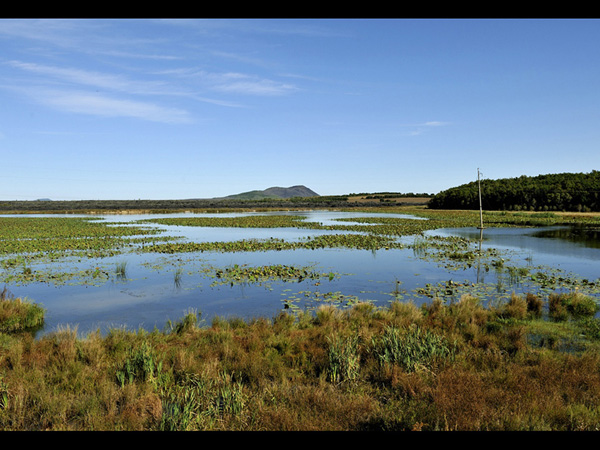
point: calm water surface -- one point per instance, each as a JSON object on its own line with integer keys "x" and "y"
{"x": 151, "y": 294}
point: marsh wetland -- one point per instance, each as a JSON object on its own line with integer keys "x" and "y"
{"x": 387, "y": 319}
{"x": 142, "y": 271}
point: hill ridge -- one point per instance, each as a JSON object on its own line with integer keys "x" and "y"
{"x": 298, "y": 190}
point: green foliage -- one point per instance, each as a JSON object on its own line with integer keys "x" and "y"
{"x": 121, "y": 270}
{"x": 237, "y": 273}
{"x": 196, "y": 402}
{"x": 65, "y": 235}
{"x": 411, "y": 349}
{"x": 573, "y": 304}
{"x": 160, "y": 206}
{"x": 578, "y": 192}
{"x": 17, "y": 314}
{"x": 591, "y": 327}
{"x": 3, "y": 394}
{"x": 140, "y": 365}
{"x": 251, "y": 221}
{"x": 344, "y": 358}
{"x": 188, "y": 323}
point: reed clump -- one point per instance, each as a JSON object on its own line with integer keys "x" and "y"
{"x": 440, "y": 366}
{"x": 17, "y": 314}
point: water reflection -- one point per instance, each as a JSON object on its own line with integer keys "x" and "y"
{"x": 582, "y": 236}
{"x": 554, "y": 241}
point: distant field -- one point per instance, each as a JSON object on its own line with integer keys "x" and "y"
{"x": 366, "y": 199}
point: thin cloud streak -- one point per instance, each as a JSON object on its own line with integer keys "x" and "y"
{"x": 419, "y": 128}
{"x": 94, "y": 79}
{"x": 233, "y": 82}
{"x": 106, "y": 93}
{"x": 99, "y": 105}
{"x": 245, "y": 84}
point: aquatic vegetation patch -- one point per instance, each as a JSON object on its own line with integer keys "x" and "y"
{"x": 244, "y": 221}
{"x": 244, "y": 273}
{"x": 457, "y": 253}
{"x": 13, "y": 228}
{"x": 352, "y": 241}
{"x": 510, "y": 279}
{"x": 372, "y": 225}
{"x": 243, "y": 245}
{"x": 93, "y": 274}
{"x": 56, "y": 237}
{"x": 306, "y": 300}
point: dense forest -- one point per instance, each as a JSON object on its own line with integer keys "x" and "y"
{"x": 553, "y": 192}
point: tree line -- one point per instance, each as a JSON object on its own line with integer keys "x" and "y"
{"x": 154, "y": 205}
{"x": 322, "y": 201}
{"x": 173, "y": 205}
{"x": 575, "y": 192}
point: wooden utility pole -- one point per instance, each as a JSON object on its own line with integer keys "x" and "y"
{"x": 480, "y": 207}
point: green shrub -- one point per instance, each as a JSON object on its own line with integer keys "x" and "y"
{"x": 534, "y": 305}
{"x": 17, "y": 314}
{"x": 580, "y": 305}
{"x": 515, "y": 308}
{"x": 575, "y": 304}
{"x": 591, "y": 327}
{"x": 412, "y": 348}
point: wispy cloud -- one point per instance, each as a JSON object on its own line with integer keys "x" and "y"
{"x": 232, "y": 82}
{"x": 92, "y": 79}
{"x": 435, "y": 124}
{"x": 56, "y": 32}
{"x": 217, "y": 27}
{"x": 83, "y": 36}
{"x": 87, "y": 92}
{"x": 145, "y": 89}
{"x": 246, "y": 84}
{"x": 419, "y": 128}
{"x": 106, "y": 106}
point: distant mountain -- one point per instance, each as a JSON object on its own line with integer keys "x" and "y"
{"x": 274, "y": 192}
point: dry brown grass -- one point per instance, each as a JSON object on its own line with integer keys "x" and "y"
{"x": 275, "y": 375}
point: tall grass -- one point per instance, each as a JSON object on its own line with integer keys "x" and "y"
{"x": 18, "y": 314}
{"x": 456, "y": 366}
{"x": 121, "y": 270}
{"x": 573, "y": 304}
{"x": 177, "y": 277}
{"x": 344, "y": 359}
{"x": 411, "y": 349}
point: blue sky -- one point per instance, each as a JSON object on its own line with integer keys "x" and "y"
{"x": 174, "y": 109}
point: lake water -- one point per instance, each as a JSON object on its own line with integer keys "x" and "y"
{"x": 158, "y": 288}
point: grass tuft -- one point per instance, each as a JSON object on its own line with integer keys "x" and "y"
{"x": 18, "y": 314}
